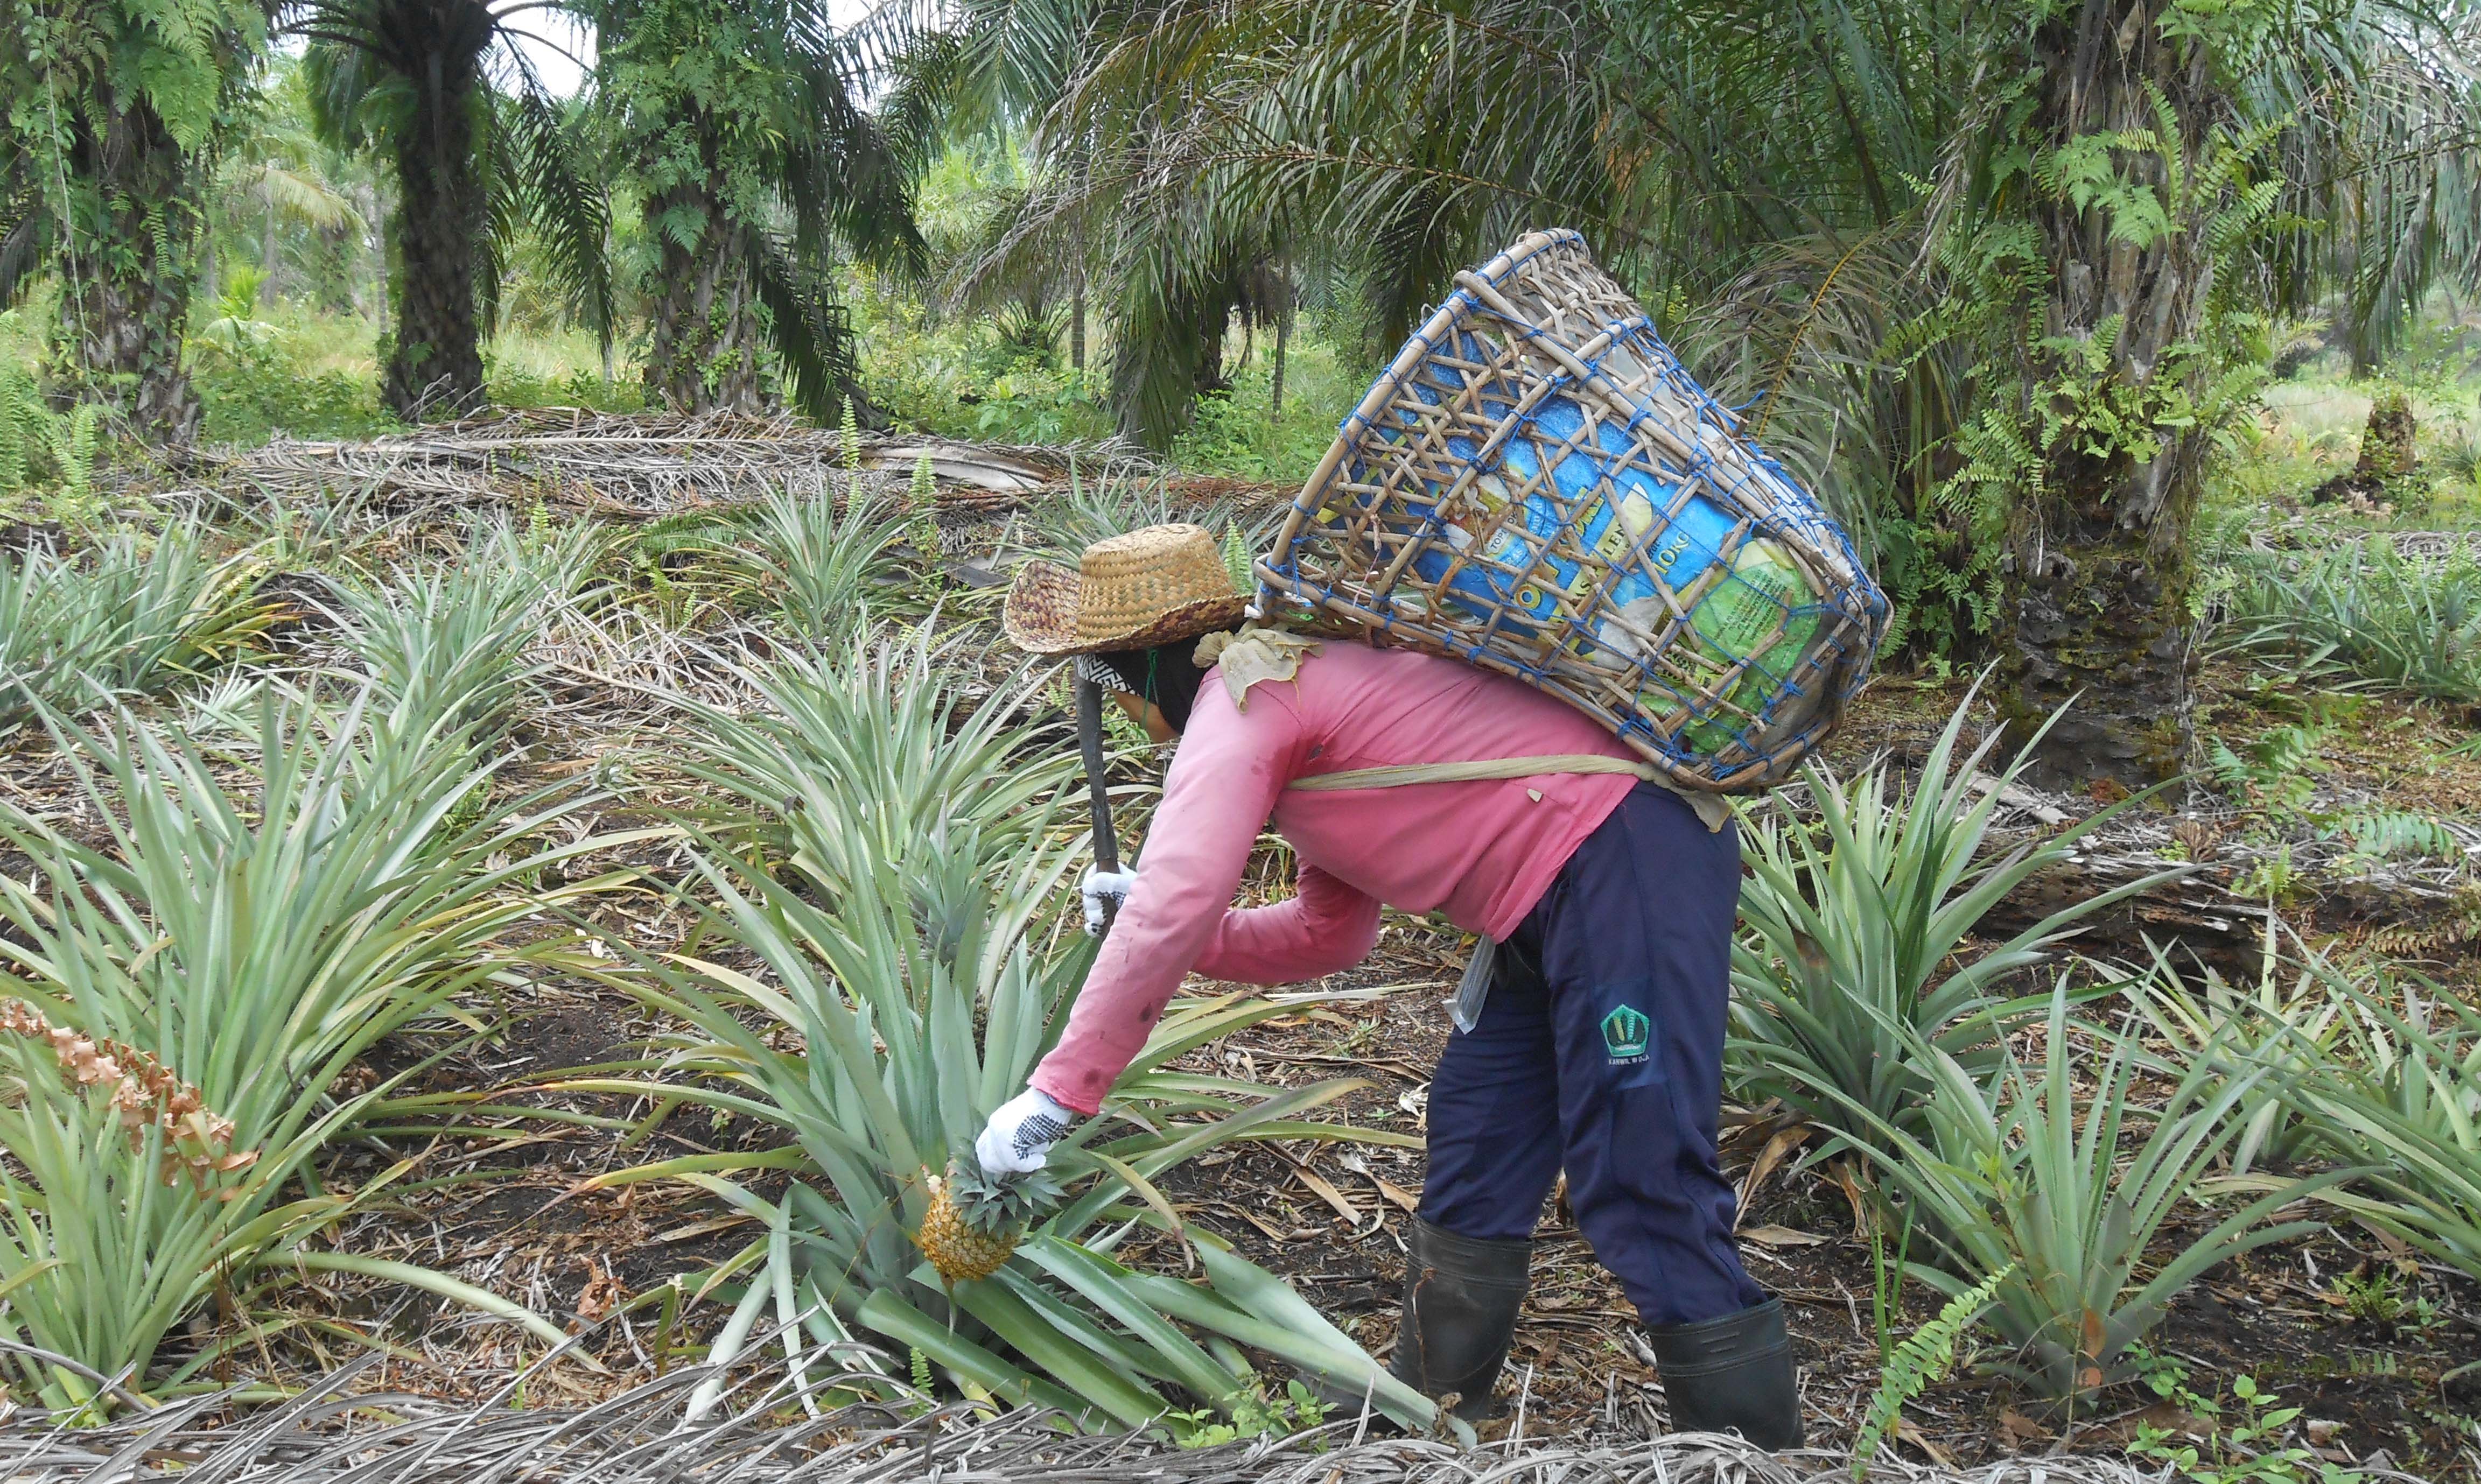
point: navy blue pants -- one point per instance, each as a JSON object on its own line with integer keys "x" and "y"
{"x": 1600, "y": 1051}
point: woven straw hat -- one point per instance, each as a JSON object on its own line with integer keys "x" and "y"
{"x": 1150, "y": 586}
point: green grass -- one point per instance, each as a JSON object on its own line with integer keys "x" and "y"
{"x": 2319, "y": 416}
{"x": 297, "y": 381}
{"x": 308, "y": 374}
{"x": 1240, "y": 435}
{"x": 2311, "y": 431}
{"x": 314, "y": 374}
{"x": 960, "y": 380}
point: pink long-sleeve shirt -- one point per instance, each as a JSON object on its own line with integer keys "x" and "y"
{"x": 1481, "y": 852}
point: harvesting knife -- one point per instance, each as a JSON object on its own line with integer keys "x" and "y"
{"x": 1089, "y": 741}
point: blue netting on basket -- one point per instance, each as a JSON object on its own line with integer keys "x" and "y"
{"x": 1537, "y": 485}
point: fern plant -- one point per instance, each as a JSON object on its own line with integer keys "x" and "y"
{"x": 2397, "y": 834}
{"x": 921, "y": 506}
{"x": 25, "y": 425}
{"x": 1237, "y": 559}
{"x": 2277, "y": 772}
{"x": 40, "y": 449}
{"x": 1920, "y": 1363}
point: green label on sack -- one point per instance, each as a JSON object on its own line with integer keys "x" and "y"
{"x": 1626, "y": 1035}
{"x": 1751, "y": 606}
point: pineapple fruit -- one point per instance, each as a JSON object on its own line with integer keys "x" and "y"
{"x": 974, "y": 1219}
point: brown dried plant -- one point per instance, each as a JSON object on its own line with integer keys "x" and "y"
{"x": 197, "y": 1140}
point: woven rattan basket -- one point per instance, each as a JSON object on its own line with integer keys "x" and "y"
{"x": 1537, "y": 486}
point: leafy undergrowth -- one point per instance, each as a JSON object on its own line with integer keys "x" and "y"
{"x": 2348, "y": 1323}
{"x": 548, "y": 1087}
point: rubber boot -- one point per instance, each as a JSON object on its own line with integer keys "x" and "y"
{"x": 1732, "y": 1375}
{"x": 1461, "y": 1295}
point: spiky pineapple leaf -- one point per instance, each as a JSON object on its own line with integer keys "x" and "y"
{"x": 996, "y": 1203}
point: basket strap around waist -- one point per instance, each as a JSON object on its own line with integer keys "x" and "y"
{"x": 1712, "y": 811}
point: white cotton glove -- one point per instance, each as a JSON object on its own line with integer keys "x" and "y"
{"x": 1101, "y": 886}
{"x": 1019, "y": 1136}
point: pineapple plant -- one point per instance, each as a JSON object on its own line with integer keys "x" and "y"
{"x": 976, "y": 1219}
{"x": 145, "y": 1005}
{"x": 921, "y": 982}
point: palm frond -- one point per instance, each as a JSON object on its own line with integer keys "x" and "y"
{"x": 812, "y": 335}
{"x": 568, "y": 212}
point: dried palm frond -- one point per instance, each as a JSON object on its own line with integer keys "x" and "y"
{"x": 646, "y": 1435}
{"x": 631, "y": 466}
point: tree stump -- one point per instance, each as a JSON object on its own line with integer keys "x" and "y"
{"x": 2386, "y": 443}
{"x": 2386, "y": 476}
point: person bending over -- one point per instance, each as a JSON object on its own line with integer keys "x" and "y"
{"x": 1608, "y": 900}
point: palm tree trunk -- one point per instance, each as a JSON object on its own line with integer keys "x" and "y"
{"x": 1283, "y": 348}
{"x": 2099, "y": 563}
{"x": 1214, "y": 322}
{"x": 705, "y": 351}
{"x": 435, "y": 365}
{"x": 1077, "y": 324}
{"x": 267, "y": 259}
{"x": 124, "y": 311}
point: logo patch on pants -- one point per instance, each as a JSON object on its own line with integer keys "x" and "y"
{"x": 1625, "y": 1036}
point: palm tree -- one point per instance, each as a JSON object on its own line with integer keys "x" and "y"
{"x": 1972, "y": 261}
{"x": 1199, "y": 145}
{"x": 2156, "y": 151}
{"x": 2389, "y": 173}
{"x": 754, "y": 160}
{"x": 276, "y": 174}
{"x": 114, "y": 107}
{"x": 478, "y": 153}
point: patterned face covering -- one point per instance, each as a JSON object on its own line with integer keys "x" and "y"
{"x": 1165, "y": 677}
{"x": 1091, "y": 667}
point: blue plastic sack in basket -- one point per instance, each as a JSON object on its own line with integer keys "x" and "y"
{"x": 1538, "y": 487}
